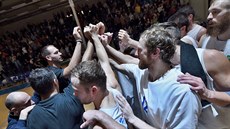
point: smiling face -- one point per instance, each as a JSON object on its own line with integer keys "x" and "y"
{"x": 218, "y": 18}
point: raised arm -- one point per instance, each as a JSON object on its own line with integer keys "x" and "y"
{"x": 102, "y": 56}
{"x": 90, "y": 48}
{"x": 88, "y": 52}
{"x": 125, "y": 39}
{"x": 76, "y": 58}
{"x": 119, "y": 56}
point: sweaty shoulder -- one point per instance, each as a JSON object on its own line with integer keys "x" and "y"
{"x": 214, "y": 60}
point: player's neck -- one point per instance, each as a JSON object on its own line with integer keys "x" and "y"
{"x": 100, "y": 97}
{"x": 54, "y": 64}
{"x": 48, "y": 95}
{"x": 158, "y": 71}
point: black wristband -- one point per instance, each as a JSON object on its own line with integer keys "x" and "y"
{"x": 79, "y": 40}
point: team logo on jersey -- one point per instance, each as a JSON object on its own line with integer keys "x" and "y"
{"x": 144, "y": 104}
{"x": 121, "y": 120}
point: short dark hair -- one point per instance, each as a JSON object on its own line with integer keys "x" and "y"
{"x": 44, "y": 51}
{"x": 187, "y": 9}
{"x": 172, "y": 29}
{"x": 90, "y": 72}
{"x": 41, "y": 80}
{"x": 180, "y": 19}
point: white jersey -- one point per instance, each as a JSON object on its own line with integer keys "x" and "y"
{"x": 189, "y": 38}
{"x": 212, "y": 116}
{"x": 115, "y": 112}
{"x": 213, "y": 43}
{"x": 166, "y": 103}
{"x": 194, "y": 31}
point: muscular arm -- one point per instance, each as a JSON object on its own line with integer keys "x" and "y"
{"x": 95, "y": 117}
{"x": 76, "y": 58}
{"x": 104, "y": 61}
{"x": 220, "y": 72}
{"x": 218, "y": 66}
{"x": 121, "y": 57}
{"x": 88, "y": 52}
{"x": 125, "y": 39}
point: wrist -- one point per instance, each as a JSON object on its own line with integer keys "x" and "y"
{"x": 94, "y": 35}
{"x": 208, "y": 94}
{"x": 132, "y": 119}
{"x": 79, "y": 41}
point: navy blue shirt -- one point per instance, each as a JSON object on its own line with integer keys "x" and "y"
{"x": 14, "y": 122}
{"x": 63, "y": 82}
{"x": 61, "y": 111}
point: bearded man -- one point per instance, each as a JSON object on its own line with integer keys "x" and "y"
{"x": 218, "y": 28}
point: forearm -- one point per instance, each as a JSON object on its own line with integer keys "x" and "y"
{"x": 139, "y": 124}
{"x": 122, "y": 58}
{"x": 218, "y": 98}
{"x": 88, "y": 52}
{"x": 133, "y": 43}
{"x": 100, "y": 50}
{"x": 107, "y": 121}
{"x": 75, "y": 59}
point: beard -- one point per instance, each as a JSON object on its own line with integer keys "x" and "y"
{"x": 219, "y": 28}
{"x": 142, "y": 65}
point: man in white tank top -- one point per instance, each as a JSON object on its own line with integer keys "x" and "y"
{"x": 96, "y": 83}
{"x": 218, "y": 29}
{"x": 195, "y": 30}
{"x": 215, "y": 115}
{"x": 180, "y": 18}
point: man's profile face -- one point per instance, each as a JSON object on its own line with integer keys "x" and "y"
{"x": 80, "y": 91}
{"x": 55, "y": 54}
{"x": 218, "y": 19}
{"x": 143, "y": 55}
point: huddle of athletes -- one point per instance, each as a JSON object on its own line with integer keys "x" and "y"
{"x": 159, "y": 88}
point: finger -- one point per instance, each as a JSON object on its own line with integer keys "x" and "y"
{"x": 119, "y": 100}
{"x": 190, "y": 82}
{"x": 194, "y": 88}
{"x": 85, "y": 124}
